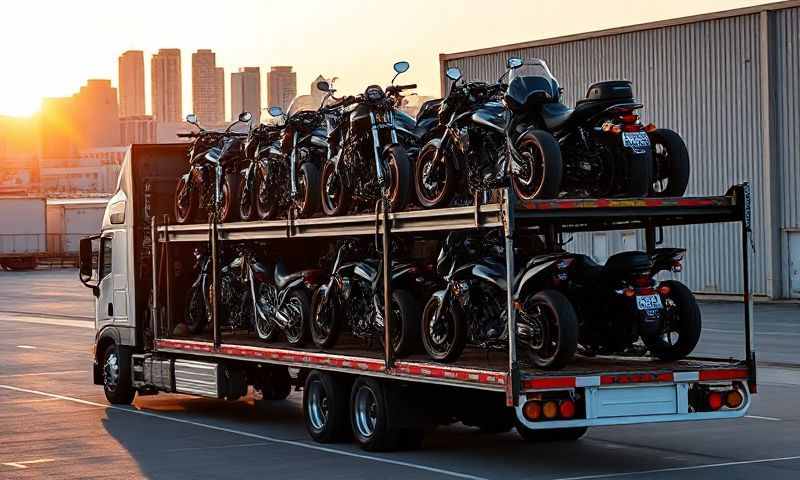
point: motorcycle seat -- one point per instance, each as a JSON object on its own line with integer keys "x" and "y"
{"x": 283, "y": 278}
{"x": 626, "y": 263}
{"x": 555, "y": 115}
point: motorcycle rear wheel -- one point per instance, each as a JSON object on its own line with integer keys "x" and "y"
{"x": 640, "y": 173}
{"x": 264, "y": 326}
{"x": 185, "y": 201}
{"x": 541, "y": 175}
{"x": 299, "y": 302}
{"x": 446, "y": 341}
{"x": 559, "y": 325}
{"x": 335, "y": 197}
{"x": 405, "y": 323}
{"x": 682, "y": 336}
{"x": 324, "y": 324}
{"x": 671, "y": 164}
{"x": 263, "y": 197}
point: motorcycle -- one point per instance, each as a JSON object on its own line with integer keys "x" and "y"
{"x": 365, "y": 161}
{"x": 621, "y": 302}
{"x": 288, "y": 172}
{"x": 468, "y": 146}
{"x": 353, "y": 298}
{"x": 600, "y": 148}
{"x": 471, "y": 306}
{"x": 263, "y": 142}
{"x": 213, "y": 156}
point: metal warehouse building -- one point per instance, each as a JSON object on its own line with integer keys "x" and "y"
{"x": 729, "y": 83}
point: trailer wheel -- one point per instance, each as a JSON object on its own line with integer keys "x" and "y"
{"x": 369, "y": 417}
{"x": 274, "y": 383}
{"x": 117, "y": 382}
{"x": 325, "y": 407}
{"x": 550, "y": 434}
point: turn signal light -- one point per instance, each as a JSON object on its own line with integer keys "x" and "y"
{"x": 532, "y": 410}
{"x": 629, "y": 292}
{"x": 734, "y": 399}
{"x": 567, "y": 408}
{"x": 616, "y": 129}
{"x": 550, "y": 409}
{"x": 629, "y": 118}
{"x": 650, "y": 127}
{"x": 714, "y": 400}
{"x": 664, "y": 290}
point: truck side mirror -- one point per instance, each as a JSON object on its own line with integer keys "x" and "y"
{"x": 86, "y": 263}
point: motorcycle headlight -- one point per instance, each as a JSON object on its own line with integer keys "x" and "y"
{"x": 374, "y": 93}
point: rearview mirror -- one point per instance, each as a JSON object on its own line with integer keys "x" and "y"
{"x": 401, "y": 67}
{"x": 275, "y": 111}
{"x": 323, "y": 86}
{"x": 86, "y": 263}
{"x": 514, "y": 62}
{"x": 453, "y": 73}
{"x": 191, "y": 118}
{"x": 245, "y": 117}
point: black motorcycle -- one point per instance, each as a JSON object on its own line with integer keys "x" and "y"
{"x": 262, "y": 144}
{"x": 600, "y": 148}
{"x": 366, "y": 161}
{"x": 213, "y": 159}
{"x": 469, "y": 145}
{"x": 621, "y": 302}
{"x": 352, "y": 298}
{"x": 288, "y": 173}
{"x": 471, "y": 306}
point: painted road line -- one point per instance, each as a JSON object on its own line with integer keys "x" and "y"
{"x": 281, "y": 441}
{"x": 26, "y": 347}
{"x": 681, "y": 469}
{"x": 776, "y": 333}
{"x": 759, "y": 417}
{"x": 42, "y": 320}
{"x": 25, "y": 463}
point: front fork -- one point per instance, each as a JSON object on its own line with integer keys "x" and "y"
{"x": 292, "y": 169}
{"x": 376, "y": 144}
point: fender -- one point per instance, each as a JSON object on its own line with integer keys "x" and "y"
{"x": 108, "y": 335}
{"x": 514, "y": 165}
{"x": 533, "y": 269}
{"x": 444, "y": 298}
{"x": 444, "y": 142}
{"x": 388, "y": 147}
{"x": 366, "y": 271}
{"x": 491, "y": 273}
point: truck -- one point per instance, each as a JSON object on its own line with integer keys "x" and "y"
{"x": 139, "y": 269}
{"x": 23, "y": 231}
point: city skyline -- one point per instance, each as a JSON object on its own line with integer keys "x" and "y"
{"x": 208, "y": 87}
{"x": 327, "y": 45}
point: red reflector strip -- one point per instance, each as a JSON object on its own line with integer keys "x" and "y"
{"x": 723, "y": 374}
{"x": 635, "y": 378}
{"x": 545, "y": 383}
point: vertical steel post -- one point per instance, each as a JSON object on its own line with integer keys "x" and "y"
{"x": 508, "y": 231}
{"x": 649, "y": 236}
{"x": 387, "y": 290}
{"x": 168, "y": 272}
{"x": 747, "y": 296}
{"x": 154, "y": 258}
{"x": 214, "y": 282}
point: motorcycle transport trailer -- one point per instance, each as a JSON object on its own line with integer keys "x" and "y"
{"x": 139, "y": 263}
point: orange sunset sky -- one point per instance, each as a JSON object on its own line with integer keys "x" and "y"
{"x": 50, "y": 48}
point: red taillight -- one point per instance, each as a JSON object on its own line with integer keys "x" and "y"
{"x": 629, "y": 118}
{"x": 714, "y": 400}
{"x": 664, "y": 290}
{"x": 629, "y": 292}
{"x": 734, "y": 399}
{"x": 633, "y": 127}
{"x": 532, "y": 410}
{"x": 566, "y": 408}
{"x": 650, "y": 127}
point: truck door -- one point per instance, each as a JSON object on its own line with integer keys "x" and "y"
{"x": 112, "y": 300}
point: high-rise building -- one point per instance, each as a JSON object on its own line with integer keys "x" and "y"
{"x": 137, "y": 129}
{"x": 246, "y": 93}
{"x": 282, "y": 86}
{"x": 131, "y": 83}
{"x": 165, "y": 74}
{"x": 208, "y": 88}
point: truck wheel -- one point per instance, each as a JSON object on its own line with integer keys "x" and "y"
{"x": 550, "y": 434}
{"x": 117, "y": 382}
{"x": 325, "y": 403}
{"x": 683, "y": 324}
{"x": 671, "y": 164}
{"x": 369, "y": 417}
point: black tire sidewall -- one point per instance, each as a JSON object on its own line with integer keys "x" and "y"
{"x": 124, "y": 392}
{"x": 689, "y": 330}
{"x": 305, "y": 303}
{"x": 311, "y": 202}
{"x": 443, "y": 199}
{"x": 401, "y": 174}
{"x": 337, "y": 427}
{"x": 330, "y": 340}
{"x": 383, "y": 438}
{"x": 328, "y": 168}
{"x": 679, "y": 169}
{"x": 551, "y": 156}
{"x": 409, "y": 333}
{"x": 567, "y": 329}
{"x": 459, "y": 332}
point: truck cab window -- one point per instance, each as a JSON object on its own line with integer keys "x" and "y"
{"x": 105, "y": 245}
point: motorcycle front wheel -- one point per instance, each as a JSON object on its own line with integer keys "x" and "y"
{"x": 552, "y": 326}
{"x": 265, "y": 328}
{"x": 185, "y": 201}
{"x": 444, "y": 338}
{"x": 264, "y": 196}
{"x": 335, "y": 197}
{"x": 399, "y": 169}
{"x": 683, "y": 320}
{"x": 539, "y": 176}
{"x": 434, "y": 179}
{"x": 246, "y": 194}
{"x": 307, "y": 202}
{"x": 196, "y": 312}
{"x": 298, "y": 310}
{"x": 404, "y": 325}
{"x": 324, "y": 324}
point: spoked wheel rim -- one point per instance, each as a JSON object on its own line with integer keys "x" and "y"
{"x": 265, "y": 201}
{"x": 317, "y": 405}
{"x": 671, "y": 335}
{"x": 263, "y": 324}
{"x": 660, "y": 160}
{"x": 111, "y": 371}
{"x": 301, "y": 203}
{"x": 224, "y": 202}
{"x": 183, "y": 201}
{"x": 392, "y": 180}
{"x": 440, "y": 332}
{"x": 530, "y": 179}
{"x": 333, "y": 190}
{"x": 431, "y": 188}
{"x": 322, "y": 321}
{"x": 544, "y": 338}
{"x": 246, "y": 204}
{"x": 365, "y": 412}
{"x": 294, "y": 310}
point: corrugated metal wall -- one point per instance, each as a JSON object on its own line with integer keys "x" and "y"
{"x": 703, "y": 81}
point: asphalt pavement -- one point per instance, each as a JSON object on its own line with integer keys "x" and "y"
{"x": 55, "y": 424}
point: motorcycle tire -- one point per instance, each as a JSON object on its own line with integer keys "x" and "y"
{"x": 266, "y": 206}
{"x": 227, "y": 201}
{"x": 399, "y": 168}
{"x": 640, "y": 173}
{"x": 688, "y": 327}
{"x": 337, "y": 201}
{"x": 299, "y": 299}
{"x": 561, "y": 314}
{"x": 196, "y": 312}
{"x": 247, "y": 208}
{"x": 449, "y": 348}
{"x": 185, "y": 213}
{"x": 544, "y": 177}
{"x": 324, "y": 335}
{"x": 670, "y": 163}
{"x": 308, "y": 198}
{"x": 265, "y": 328}
{"x": 407, "y": 314}
{"x": 429, "y": 198}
